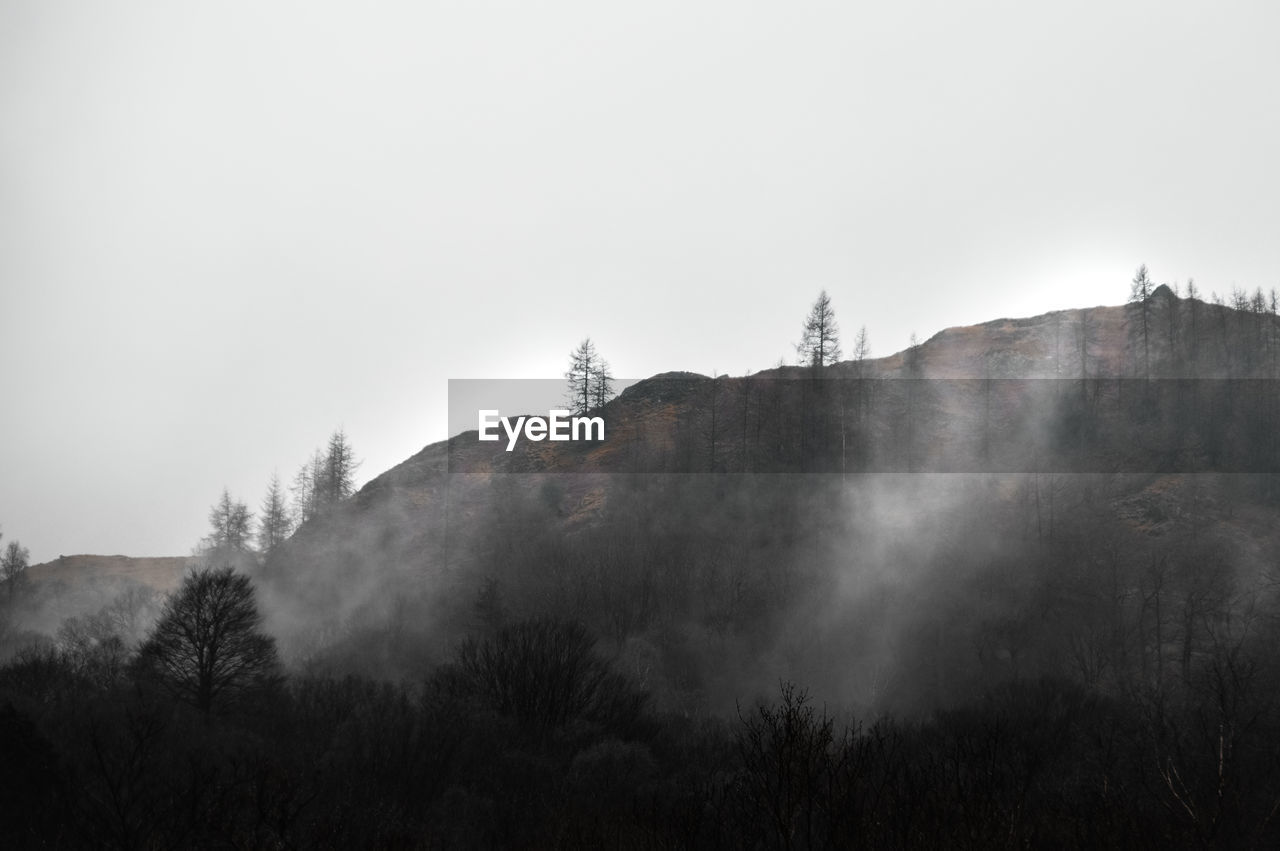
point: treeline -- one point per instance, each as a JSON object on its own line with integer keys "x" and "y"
{"x": 529, "y": 739}
{"x": 1170, "y": 335}
{"x": 326, "y": 479}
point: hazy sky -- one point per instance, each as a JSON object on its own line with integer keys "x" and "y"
{"x": 227, "y": 229}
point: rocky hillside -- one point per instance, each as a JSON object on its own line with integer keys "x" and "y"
{"x": 711, "y": 516}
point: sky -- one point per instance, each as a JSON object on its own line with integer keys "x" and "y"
{"x": 228, "y": 229}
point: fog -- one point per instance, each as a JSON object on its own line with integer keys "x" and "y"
{"x": 799, "y": 575}
{"x": 225, "y": 232}
{"x": 1015, "y": 584}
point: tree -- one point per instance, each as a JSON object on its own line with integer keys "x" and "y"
{"x": 711, "y": 421}
{"x": 590, "y": 382}
{"x": 207, "y": 648}
{"x": 230, "y": 521}
{"x": 861, "y": 349}
{"x": 328, "y": 477}
{"x": 338, "y": 479}
{"x": 1086, "y": 336}
{"x": 819, "y": 344}
{"x": 1193, "y": 303}
{"x": 545, "y": 673}
{"x": 1140, "y": 294}
{"x": 601, "y": 385}
{"x": 305, "y": 496}
{"x": 911, "y": 360}
{"x": 276, "y": 521}
{"x": 13, "y": 568}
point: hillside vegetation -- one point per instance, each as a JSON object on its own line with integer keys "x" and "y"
{"x": 1015, "y": 585}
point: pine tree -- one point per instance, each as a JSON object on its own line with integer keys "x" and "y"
{"x": 338, "y": 481}
{"x": 819, "y": 344}
{"x": 276, "y": 523}
{"x": 601, "y": 384}
{"x": 582, "y": 366}
{"x": 306, "y": 502}
{"x": 590, "y": 381}
{"x": 327, "y": 478}
{"x": 230, "y": 521}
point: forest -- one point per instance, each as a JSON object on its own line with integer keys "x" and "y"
{"x": 1014, "y": 586}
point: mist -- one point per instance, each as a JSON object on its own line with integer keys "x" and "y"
{"x": 979, "y": 552}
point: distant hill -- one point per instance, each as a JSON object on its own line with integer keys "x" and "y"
{"x": 82, "y": 585}
{"x": 160, "y": 574}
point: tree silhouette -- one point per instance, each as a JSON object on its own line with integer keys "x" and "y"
{"x": 861, "y": 350}
{"x": 230, "y": 521}
{"x": 819, "y": 344}
{"x": 590, "y": 382}
{"x": 13, "y": 568}
{"x": 328, "y": 477}
{"x": 305, "y": 495}
{"x": 340, "y": 465}
{"x": 207, "y": 648}
{"x": 1140, "y": 294}
{"x": 601, "y": 385}
{"x": 276, "y": 523}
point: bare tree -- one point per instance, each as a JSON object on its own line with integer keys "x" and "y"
{"x": 711, "y": 418}
{"x": 1086, "y": 336}
{"x": 13, "y": 568}
{"x": 1193, "y": 305}
{"x": 861, "y": 349}
{"x": 207, "y": 648}
{"x": 911, "y": 360}
{"x": 819, "y": 344}
{"x": 1140, "y": 294}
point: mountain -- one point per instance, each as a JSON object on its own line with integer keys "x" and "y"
{"x": 723, "y": 524}
{"x": 945, "y": 514}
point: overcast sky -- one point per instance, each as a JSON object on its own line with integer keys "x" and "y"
{"x": 227, "y": 229}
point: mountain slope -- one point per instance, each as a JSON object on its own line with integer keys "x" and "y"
{"x": 707, "y": 540}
